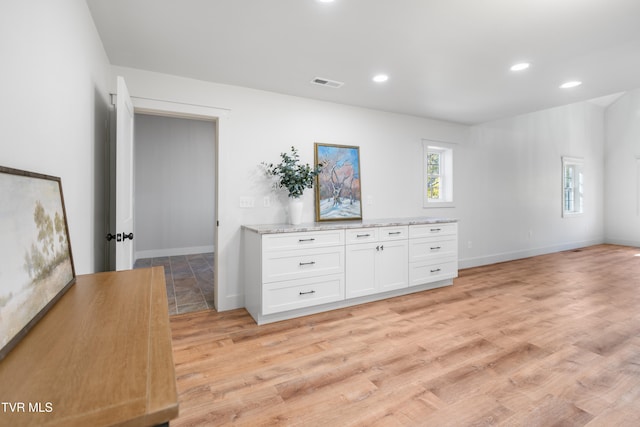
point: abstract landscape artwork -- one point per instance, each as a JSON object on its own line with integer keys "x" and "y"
{"x": 338, "y": 184}
{"x": 37, "y": 265}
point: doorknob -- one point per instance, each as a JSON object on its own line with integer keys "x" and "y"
{"x": 120, "y": 237}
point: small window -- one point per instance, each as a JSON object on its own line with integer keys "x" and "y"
{"x": 572, "y": 186}
{"x": 438, "y": 174}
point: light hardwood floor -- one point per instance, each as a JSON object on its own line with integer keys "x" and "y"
{"x": 549, "y": 340}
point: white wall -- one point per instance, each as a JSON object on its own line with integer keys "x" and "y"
{"x": 56, "y": 103}
{"x": 507, "y": 180}
{"x": 174, "y": 186}
{"x": 507, "y": 183}
{"x": 622, "y": 166}
{"x": 260, "y": 125}
{"x": 54, "y": 107}
{"x": 510, "y": 193}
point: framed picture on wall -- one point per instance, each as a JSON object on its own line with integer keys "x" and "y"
{"x": 338, "y": 184}
{"x": 36, "y": 265}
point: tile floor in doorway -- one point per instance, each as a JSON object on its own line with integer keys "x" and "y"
{"x": 189, "y": 281}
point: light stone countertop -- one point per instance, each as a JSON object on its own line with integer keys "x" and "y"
{"x": 343, "y": 225}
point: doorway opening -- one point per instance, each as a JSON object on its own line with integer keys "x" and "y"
{"x": 174, "y": 187}
{"x": 169, "y": 109}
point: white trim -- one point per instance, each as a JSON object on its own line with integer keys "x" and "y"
{"x": 578, "y": 162}
{"x": 155, "y": 253}
{"x": 174, "y": 109}
{"x": 623, "y": 242}
{"x": 350, "y": 302}
{"x": 637, "y": 185}
{"x": 177, "y": 109}
{"x": 447, "y": 150}
{"x": 222, "y": 301}
{"x": 526, "y": 253}
{"x": 436, "y": 204}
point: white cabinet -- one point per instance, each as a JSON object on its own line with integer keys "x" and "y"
{"x": 433, "y": 253}
{"x": 289, "y": 295}
{"x": 291, "y": 271}
{"x": 376, "y": 260}
{"x": 391, "y": 265}
{"x": 294, "y": 273}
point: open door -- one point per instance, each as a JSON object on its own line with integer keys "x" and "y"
{"x": 124, "y": 178}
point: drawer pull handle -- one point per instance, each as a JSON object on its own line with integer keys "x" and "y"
{"x": 380, "y": 248}
{"x": 363, "y": 235}
{"x": 307, "y": 293}
{"x": 436, "y": 270}
{"x": 306, "y": 240}
{"x": 391, "y": 233}
{"x": 308, "y": 263}
{"x": 436, "y": 247}
{"x": 436, "y": 229}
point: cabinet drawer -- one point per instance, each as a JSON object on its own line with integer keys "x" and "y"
{"x": 430, "y": 230}
{"x": 361, "y": 235}
{"x": 426, "y": 272}
{"x": 431, "y": 248}
{"x": 394, "y": 233}
{"x": 283, "y": 296}
{"x": 288, "y": 265}
{"x": 315, "y": 239}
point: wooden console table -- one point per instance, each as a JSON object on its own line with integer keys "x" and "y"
{"x": 101, "y": 356}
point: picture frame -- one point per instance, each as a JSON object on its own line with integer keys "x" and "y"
{"x": 37, "y": 264}
{"x": 338, "y": 185}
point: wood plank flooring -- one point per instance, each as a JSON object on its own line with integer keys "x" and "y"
{"x": 545, "y": 341}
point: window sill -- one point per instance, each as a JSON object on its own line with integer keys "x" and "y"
{"x": 430, "y": 205}
{"x": 572, "y": 214}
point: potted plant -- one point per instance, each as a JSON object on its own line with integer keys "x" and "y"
{"x": 295, "y": 177}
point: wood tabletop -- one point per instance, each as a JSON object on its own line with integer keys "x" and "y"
{"x": 101, "y": 356}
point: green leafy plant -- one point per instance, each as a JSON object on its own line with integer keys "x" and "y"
{"x": 291, "y": 174}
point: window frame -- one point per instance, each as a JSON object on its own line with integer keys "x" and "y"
{"x": 637, "y": 185}
{"x": 446, "y": 152}
{"x": 576, "y": 187}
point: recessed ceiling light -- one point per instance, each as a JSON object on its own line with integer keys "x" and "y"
{"x": 380, "y": 78}
{"x": 570, "y": 84}
{"x": 521, "y": 66}
{"x": 325, "y": 1}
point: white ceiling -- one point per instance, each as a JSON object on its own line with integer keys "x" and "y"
{"x": 446, "y": 59}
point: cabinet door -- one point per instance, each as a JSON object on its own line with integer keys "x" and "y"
{"x": 392, "y": 267}
{"x": 360, "y": 269}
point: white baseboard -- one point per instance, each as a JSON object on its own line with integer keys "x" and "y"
{"x": 623, "y": 242}
{"x": 231, "y": 302}
{"x": 155, "y": 253}
{"x": 510, "y": 256}
{"x": 349, "y": 302}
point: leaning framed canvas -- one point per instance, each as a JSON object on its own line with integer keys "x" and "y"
{"x": 37, "y": 265}
{"x": 338, "y": 184}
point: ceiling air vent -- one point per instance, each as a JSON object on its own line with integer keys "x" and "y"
{"x": 326, "y": 82}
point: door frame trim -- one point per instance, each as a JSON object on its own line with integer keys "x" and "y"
{"x": 199, "y": 112}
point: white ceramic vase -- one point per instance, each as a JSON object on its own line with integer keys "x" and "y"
{"x": 295, "y": 210}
